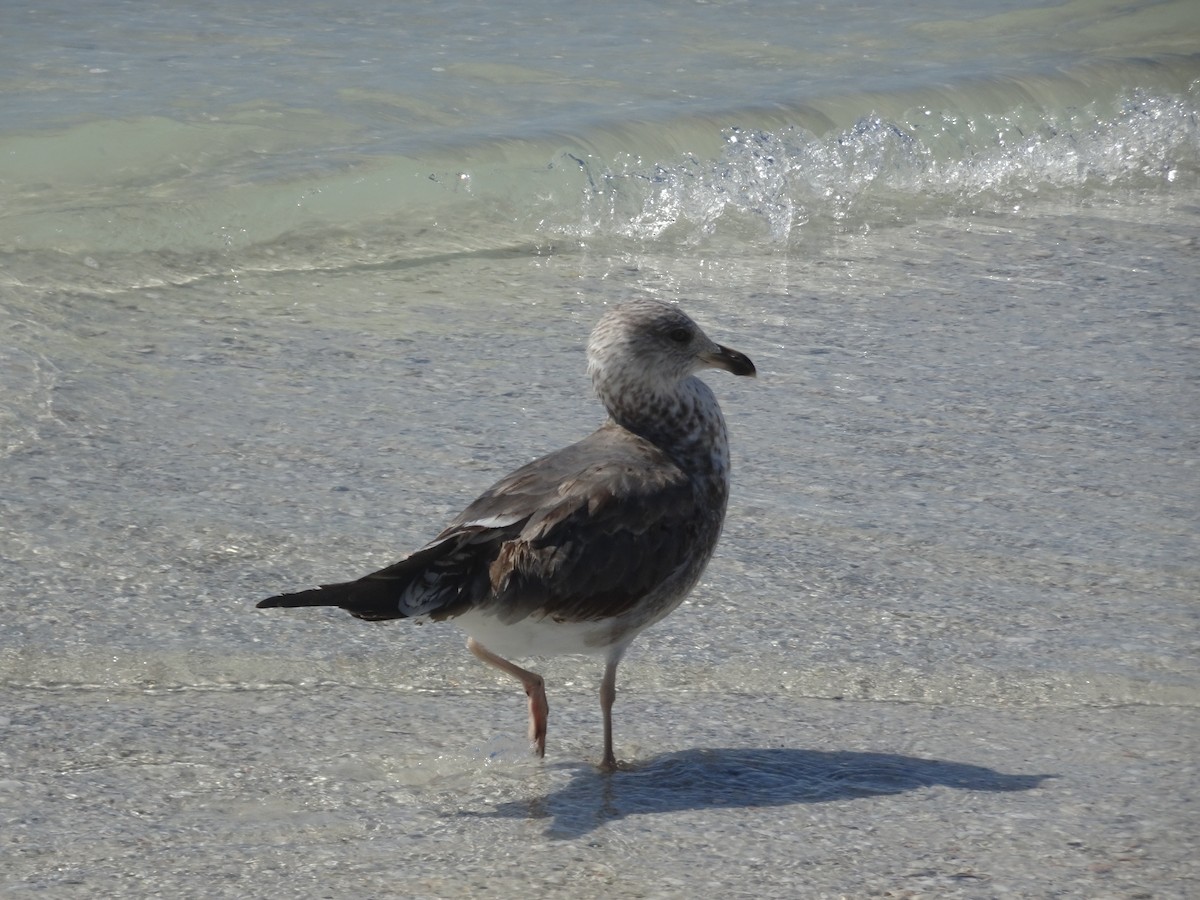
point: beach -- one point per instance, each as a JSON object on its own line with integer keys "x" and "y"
{"x": 278, "y": 304}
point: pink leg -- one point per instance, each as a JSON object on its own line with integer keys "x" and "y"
{"x": 608, "y": 694}
{"x": 535, "y": 688}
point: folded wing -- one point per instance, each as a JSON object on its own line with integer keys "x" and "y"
{"x": 579, "y": 535}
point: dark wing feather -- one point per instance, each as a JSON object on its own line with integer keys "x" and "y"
{"x": 612, "y": 520}
{"x": 583, "y": 533}
{"x": 439, "y": 580}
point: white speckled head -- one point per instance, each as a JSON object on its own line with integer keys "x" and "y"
{"x": 642, "y": 357}
{"x": 648, "y": 347}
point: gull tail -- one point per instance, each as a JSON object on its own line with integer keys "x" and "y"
{"x": 356, "y": 597}
{"x": 438, "y": 581}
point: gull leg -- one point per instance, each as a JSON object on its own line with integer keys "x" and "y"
{"x": 535, "y": 688}
{"x": 608, "y": 694}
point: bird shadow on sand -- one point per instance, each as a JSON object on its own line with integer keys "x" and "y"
{"x": 732, "y": 778}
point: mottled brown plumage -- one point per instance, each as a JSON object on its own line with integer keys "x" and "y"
{"x": 579, "y": 551}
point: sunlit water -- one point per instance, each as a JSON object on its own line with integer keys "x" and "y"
{"x": 281, "y": 291}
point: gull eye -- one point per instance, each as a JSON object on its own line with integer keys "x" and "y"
{"x": 679, "y": 335}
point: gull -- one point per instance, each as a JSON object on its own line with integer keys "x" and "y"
{"x": 581, "y": 550}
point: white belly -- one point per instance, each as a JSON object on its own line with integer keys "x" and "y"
{"x": 534, "y": 636}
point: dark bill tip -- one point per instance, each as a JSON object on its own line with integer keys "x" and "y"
{"x": 731, "y": 361}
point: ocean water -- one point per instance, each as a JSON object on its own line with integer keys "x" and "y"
{"x": 283, "y": 287}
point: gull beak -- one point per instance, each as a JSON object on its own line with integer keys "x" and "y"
{"x": 730, "y": 361}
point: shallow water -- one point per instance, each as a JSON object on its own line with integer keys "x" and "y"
{"x": 947, "y": 646}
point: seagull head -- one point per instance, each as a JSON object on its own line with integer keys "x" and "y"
{"x": 646, "y": 346}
